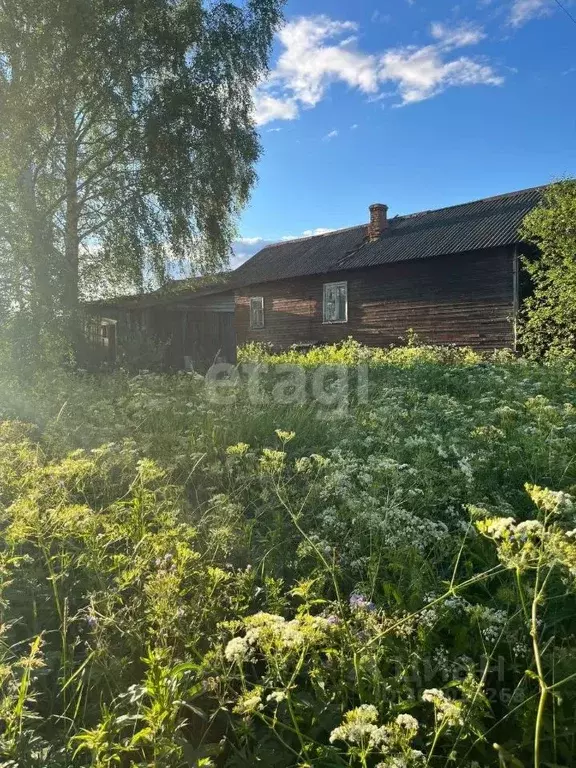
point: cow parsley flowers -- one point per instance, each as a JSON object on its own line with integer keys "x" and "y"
{"x": 238, "y": 650}
{"x": 272, "y": 635}
{"x": 359, "y": 727}
{"x": 364, "y": 737}
{"x": 448, "y": 712}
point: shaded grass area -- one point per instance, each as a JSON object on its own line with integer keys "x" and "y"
{"x": 195, "y": 577}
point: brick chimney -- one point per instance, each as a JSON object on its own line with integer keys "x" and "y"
{"x": 378, "y": 221}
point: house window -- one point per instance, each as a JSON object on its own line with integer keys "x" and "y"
{"x": 257, "y": 312}
{"x": 335, "y": 302}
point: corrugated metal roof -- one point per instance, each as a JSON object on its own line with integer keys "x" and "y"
{"x": 172, "y": 293}
{"x": 486, "y": 223}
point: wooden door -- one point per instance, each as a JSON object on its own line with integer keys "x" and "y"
{"x": 210, "y": 337}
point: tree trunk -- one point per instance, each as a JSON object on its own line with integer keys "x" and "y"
{"x": 38, "y": 254}
{"x": 71, "y": 276}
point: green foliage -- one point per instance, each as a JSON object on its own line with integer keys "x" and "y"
{"x": 548, "y": 319}
{"x": 127, "y": 140}
{"x": 186, "y": 584}
{"x": 351, "y": 352}
{"x": 138, "y": 350}
{"x": 255, "y": 352}
{"x": 26, "y": 348}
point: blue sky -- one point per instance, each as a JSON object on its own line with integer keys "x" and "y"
{"x": 417, "y": 104}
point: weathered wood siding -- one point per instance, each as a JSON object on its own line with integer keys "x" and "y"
{"x": 465, "y": 299}
{"x": 200, "y": 328}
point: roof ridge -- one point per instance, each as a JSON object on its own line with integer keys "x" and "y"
{"x": 500, "y": 196}
{"x": 313, "y": 237}
{"x": 472, "y": 202}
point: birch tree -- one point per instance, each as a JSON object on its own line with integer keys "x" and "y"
{"x": 126, "y": 141}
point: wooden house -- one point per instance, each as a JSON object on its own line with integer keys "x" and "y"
{"x": 451, "y": 275}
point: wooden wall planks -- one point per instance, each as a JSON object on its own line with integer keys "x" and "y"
{"x": 464, "y": 299}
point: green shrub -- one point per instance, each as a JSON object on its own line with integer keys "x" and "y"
{"x": 547, "y": 328}
{"x": 138, "y": 350}
{"x": 351, "y": 352}
{"x": 254, "y": 352}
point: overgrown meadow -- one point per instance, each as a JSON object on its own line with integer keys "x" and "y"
{"x": 201, "y": 578}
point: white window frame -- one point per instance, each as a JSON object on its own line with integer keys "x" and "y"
{"x": 326, "y": 288}
{"x": 254, "y": 326}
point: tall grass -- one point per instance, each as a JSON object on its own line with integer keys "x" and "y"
{"x": 186, "y": 583}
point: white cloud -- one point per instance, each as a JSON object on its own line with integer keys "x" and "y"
{"x": 420, "y": 73}
{"x": 268, "y": 108}
{"x": 525, "y": 10}
{"x": 318, "y": 51}
{"x": 243, "y": 248}
{"x": 309, "y": 63}
{"x": 456, "y": 37}
{"x": 353, "y": 127}
{"x": 309, "y": 233}
{"x": 317, "y": 231}
{"x": 331, "y": 135}
{"x": 249, "y": 240}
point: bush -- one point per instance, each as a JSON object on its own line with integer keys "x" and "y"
{"x": 547, "y": 328}
{"x": 351, "y": 352}
{"x": 139, "y": 351}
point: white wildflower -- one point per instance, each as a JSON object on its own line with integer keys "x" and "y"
{"x": 499, "y": 527}
{"x": 237, "y": 650}
{"x": 407, "y": 722}
{"x": 431, "y": 694}
{"x": 466, "y": 468}
{"x": 276, "y": 697}
{"x": 358, "y": 727}
{"x": 447, "y": 710}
